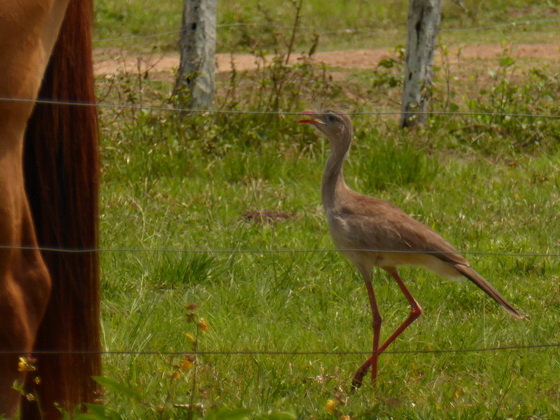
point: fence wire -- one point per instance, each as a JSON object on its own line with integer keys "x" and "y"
{"x": 319, "y": 31}
{"x": 275, "y": 251}
{"x": 513, "y": 347}
{"x": 256, "y": 112}
{"x": 342, "y": 31}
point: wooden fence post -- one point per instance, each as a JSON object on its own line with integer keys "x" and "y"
{"x": 423, "y": 23}
{"x": 195, "y": 79}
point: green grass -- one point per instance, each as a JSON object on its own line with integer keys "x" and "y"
{"x": 176, "y": 190}
{"x": 382, "y": 24}
{"x": 277, "y": 289}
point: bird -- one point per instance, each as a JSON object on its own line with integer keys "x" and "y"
{"x": 374, "y": 233}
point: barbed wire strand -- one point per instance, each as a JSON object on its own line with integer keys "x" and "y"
{"x": 244, "y": 112}
{"x": 275, "y": 251}
{"x": 364, "y": 31}
{"x": 288, "y": 353}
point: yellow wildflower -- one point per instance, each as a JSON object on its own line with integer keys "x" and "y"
{"x": 191, "y": 338}
{"x": 186, "y": 365}
{"x": 330, "y": 407}
{"x": 26, "y": 365}
{"x": 37, "y": 380}
{"x": 202, "y": 324}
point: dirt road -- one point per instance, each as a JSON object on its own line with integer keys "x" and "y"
{"x": 107, "y": 61}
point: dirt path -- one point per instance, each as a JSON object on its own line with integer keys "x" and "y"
{"x": 108, "y": 61}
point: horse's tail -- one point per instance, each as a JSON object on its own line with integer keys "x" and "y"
{"x": 62, "y": 180}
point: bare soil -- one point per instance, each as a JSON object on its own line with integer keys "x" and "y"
{"x": 108, "y": 62}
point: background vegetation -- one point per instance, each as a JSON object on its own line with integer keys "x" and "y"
{"x": 217, "y": 216}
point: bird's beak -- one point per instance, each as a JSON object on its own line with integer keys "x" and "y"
{"x": 316, "y": 121}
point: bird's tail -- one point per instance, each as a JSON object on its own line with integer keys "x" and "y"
{"x": 487, "y": 287}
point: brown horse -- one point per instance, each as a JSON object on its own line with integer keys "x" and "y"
{"x": 49, "y": 176}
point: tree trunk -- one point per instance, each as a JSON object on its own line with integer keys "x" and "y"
{"x": 423, "y": 24}
{"x": 195, "y": 80}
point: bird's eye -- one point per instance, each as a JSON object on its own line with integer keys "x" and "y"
{"x": 331, "y": 118}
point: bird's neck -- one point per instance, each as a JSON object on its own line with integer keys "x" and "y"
{"x": 333, "y": 179}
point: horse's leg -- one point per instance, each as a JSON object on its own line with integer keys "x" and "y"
{"x": 24, "y": 279}
{"x": 24, "y": 293}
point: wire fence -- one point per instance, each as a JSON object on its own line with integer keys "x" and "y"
{"x": 279, "y": 251}
{"x": 342, "y": 31}
{"x": 513, "y": 347}
{"x": 359, "y": 30}
{"x": 140, "y": 107}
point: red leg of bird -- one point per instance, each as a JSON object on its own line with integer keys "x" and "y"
{"x": 415, "y": 312}
{"x": 358, "y": 377}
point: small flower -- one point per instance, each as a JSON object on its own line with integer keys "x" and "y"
{"x": 186, "y": 365}
{"x": 191, "y": 338}
{"x": 344, "y": 417}
{"x": 175, "y": 374}
{"x": 191, "y": 306}
{"x": 37, "y": 380}
{"x": 330, "y": 407}
{"x": 202, "y": 325}
{"x": 26, "y": 364}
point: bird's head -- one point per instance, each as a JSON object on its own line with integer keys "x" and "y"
{"x": 332, "y": 123}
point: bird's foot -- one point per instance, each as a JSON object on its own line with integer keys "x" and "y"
{"x": 359, "y": 377}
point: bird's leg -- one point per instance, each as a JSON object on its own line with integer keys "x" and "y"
{"x": 415, "y": 312}
{"x": 358, "y": 377}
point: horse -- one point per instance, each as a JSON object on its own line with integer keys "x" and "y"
{"x": 49, "y": 182}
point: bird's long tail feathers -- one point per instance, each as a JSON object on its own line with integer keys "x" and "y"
{"x": 487, "y": 287}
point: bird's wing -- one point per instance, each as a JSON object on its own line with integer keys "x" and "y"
{"x": 382, "y": 225}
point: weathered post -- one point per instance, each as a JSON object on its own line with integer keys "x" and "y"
{"x": 195, "y": 79}
{"x": 423, "y": 23}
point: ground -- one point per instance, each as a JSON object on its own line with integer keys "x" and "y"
{"x": 110, "y": 61}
